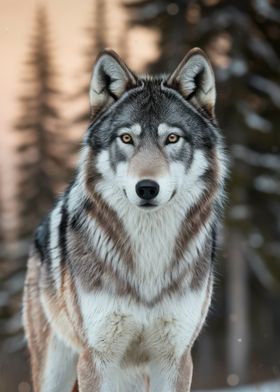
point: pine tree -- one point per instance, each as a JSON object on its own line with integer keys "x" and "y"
{"x": 43, "y": 149}
{"x": 106, "y": 29}
{"x": 97, "y": 42}
{"x": 1, "y": 226}
{"x": 11, "y": 283}
{"x": 167, "y": 17}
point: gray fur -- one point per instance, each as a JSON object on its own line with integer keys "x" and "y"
{"x": 152, "y": 270}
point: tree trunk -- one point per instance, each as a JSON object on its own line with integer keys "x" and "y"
{"x": 237, "y": 312}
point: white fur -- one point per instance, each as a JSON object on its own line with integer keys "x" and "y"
{"x": 135, "y": 128}
{"x": 60, "y": 367}
{"x": 153, "y": 234}
{"x": 167, "y": 325}
{"x": 167, "y": 329}
{"x": 194, "y": 247}
{"x": 104, "y": 247}
{"x": 222, "y": 165}
{"x": 119, "y": 76}
{"x": 110, "y": 76}
{"x": 111, "y": 323}
{"x": 206, "y": 91}
{"x": 54, "y": 244}
{"x": 165, "y": 129}
{"x": 113, "y": 185}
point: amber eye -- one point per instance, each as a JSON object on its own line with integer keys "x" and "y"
{"x": 126, "y": 138}
{"x": 172, "y": 138}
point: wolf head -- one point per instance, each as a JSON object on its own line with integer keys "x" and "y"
{"x": 152, "y": 138}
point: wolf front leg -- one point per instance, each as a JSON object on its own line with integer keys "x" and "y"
{"x": 108, "y": 377}
{"x": 53, "y": 363}
{"x": 173, "y": 376}
{"x": 185, "y": 372}
{"x": 89, "y": 378}
{"x": 58, "y": 373}
{"x": 92, "y": 379}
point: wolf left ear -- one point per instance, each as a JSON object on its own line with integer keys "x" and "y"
{"x": 110, "y": 79}
{"x": 194, "y": 79}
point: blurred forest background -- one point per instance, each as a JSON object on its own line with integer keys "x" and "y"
{"x": 241, "y": 343}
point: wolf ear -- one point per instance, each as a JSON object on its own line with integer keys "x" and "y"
{"x": 110, "y": 79}
{"x": 194, "y": 79}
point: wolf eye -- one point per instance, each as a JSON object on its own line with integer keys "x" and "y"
{"x": 126, "y": 138}
{"x": 172, "y": 138}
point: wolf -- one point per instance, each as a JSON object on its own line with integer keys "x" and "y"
{"x": 120, "y": 272}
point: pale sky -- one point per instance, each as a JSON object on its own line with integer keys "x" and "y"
{"x": 68, "y": 20}
{"x": 17, "y": 19}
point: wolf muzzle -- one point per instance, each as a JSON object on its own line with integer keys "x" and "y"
{"x": 147, "y": 189}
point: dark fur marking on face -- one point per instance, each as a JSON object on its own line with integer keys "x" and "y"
{"x": 116, "y": 157}
{"x": 151, "y": 106}
{"x": 92, "y": 176}
{"x": 184, "y": 155}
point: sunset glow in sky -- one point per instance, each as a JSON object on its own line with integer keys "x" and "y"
{"x": 68, "y": 20}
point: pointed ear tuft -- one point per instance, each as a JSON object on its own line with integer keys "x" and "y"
{"x": 110, "y": 79}
{"x": 194, "y": 79}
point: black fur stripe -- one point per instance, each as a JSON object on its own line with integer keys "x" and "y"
{"x": 214, "y": 243}
{"x": 63, "y": 230}
{"x": 42, "y": 239}
{"x": 78, "y": 219}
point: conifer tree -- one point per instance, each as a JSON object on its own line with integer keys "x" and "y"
{"x": 103, "y": 26}
{"x": 43, "y": 150}
{"x": 11, "y": 283}
{"x": 42, "y": 167}
{"x": 167, "y": 17}
{"x": 248, "y": 99}
{"x": 97, "y": 42}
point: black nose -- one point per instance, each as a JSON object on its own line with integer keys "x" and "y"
{"x": 147, "y": 189}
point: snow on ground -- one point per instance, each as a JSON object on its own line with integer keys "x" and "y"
{"x": 273, "y": 386}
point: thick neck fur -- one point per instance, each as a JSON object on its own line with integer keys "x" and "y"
{"x": 153, "y": 236}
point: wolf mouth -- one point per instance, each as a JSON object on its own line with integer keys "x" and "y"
{"x": 151, "y": 205}
{"x": 148, "y": 205}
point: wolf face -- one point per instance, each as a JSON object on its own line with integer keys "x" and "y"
{"x": 151, "y": 137}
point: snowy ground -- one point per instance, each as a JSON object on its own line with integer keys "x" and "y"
{"x": 265, "y": 387}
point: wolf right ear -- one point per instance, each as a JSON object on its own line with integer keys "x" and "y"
{"x": 194, "y": 79}
{"x": 110, "y": 79}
